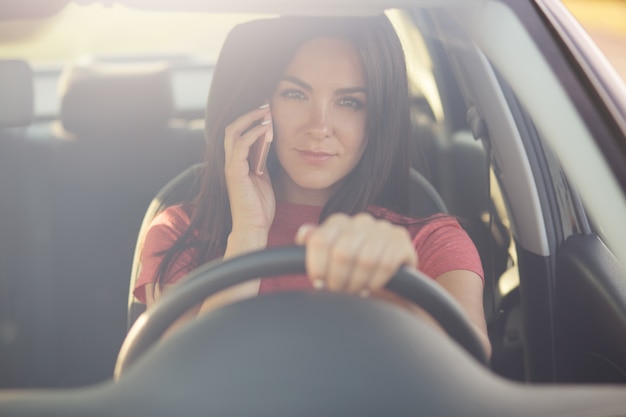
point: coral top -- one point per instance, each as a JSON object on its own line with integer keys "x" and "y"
{"x": 440, "y": 242}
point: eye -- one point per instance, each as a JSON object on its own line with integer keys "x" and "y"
{"x": 352, "y": 103}
{"x": 293, "y": 94}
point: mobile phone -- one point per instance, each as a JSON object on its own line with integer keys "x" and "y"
{"x": 259, "y": 151}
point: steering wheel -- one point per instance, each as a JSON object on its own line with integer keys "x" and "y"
{"x": 218, "y": 275}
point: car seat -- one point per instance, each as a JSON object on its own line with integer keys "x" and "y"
{"x": 112, "y": 151}
{"x": 16, "y": 100}
{"x": 17, "y": 326}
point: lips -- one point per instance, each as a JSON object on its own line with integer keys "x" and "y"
{"x": 314, "y": 157}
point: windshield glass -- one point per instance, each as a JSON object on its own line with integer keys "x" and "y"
{"x": 114, "y": 30}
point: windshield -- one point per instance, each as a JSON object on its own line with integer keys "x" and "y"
{"x": 115, "y": 30}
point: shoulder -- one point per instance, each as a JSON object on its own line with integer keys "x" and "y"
{"x": 440, "y": 241}
{"x": 417, "y": 226}
{"x": 163, "y": 232}
{"x": 167, "y": 226}
{"x": 174, "y": 216}
{"x": 438, "y": 227}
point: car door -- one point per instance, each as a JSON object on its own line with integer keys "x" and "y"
{"x": 525, "y": 94}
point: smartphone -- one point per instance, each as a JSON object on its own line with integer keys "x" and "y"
{"x": 259, "y": 151}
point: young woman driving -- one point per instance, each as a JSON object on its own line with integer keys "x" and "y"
{"x": 333, "y": 94}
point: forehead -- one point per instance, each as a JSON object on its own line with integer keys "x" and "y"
{"x": 328, "y": 61}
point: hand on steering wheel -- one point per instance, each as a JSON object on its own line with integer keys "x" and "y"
{"x": 218, "y": 275}
{"x": 355, "y": 254}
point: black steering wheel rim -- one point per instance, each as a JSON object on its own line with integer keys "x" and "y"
{"x": 218, "y": 275}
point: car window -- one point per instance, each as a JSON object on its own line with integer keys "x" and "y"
{"x": 78, "y": 30}
{"x": 188, "y": 42}
{"x": 510, "y": 130}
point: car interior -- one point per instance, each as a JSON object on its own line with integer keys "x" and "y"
{"x": 94, "y": 171}
{"x": 89, "y": 177}
{"x": 83, "y": 174}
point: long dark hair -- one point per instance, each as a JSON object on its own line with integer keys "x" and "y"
{"x": 252, "y": 60}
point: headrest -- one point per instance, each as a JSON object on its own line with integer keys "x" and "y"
{"x": 16, "y": 93}
{"x": 103, "y": 97}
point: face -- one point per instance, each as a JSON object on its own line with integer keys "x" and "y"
{"x": 319, "y": 111}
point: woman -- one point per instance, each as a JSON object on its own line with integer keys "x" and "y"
{"x": 333, "y": 95}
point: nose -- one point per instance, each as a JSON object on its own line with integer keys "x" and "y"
{"x": 320, "y": 120}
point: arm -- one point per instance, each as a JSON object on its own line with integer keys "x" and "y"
{"x": 251, "y": 198}
{"x": 467, "y": 288}
{"x": 252, "y": 206}
{"x": 235, "y": 293}
{"x": 359, "y": 255}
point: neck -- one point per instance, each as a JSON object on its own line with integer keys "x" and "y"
{"x": 287, "y": 191}
{"x": 307, "y": 197}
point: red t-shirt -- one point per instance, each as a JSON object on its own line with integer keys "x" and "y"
{"x": 440, "y": 242}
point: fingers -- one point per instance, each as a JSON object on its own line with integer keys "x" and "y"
{"x": 244, "y": 131}
{"x": 251, "y": 197}
{"x": 328, "y": 256}
{"x": 389, "y": 250}
{"x": 346, "y": 259}
{"x": 356, "y": 254}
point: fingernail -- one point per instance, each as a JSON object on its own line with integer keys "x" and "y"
{"x": 264, "y": 106}
{"x": 318, "y": 284}
{"x": 266, "y": 122}
{"x": 303, "y": 230}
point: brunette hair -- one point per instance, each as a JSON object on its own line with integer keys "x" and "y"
{"x": 252, "y": 60}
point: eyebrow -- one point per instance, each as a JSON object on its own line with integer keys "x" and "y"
{"x": 306, "y": 86}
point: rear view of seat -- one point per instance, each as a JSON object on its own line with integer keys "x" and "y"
{"x": 114, "y": 151}
{"x": 16, "y": 112}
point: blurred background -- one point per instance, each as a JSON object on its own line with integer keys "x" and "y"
{"x": 605, "y": 21}
{"x": 54, "y": 40}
